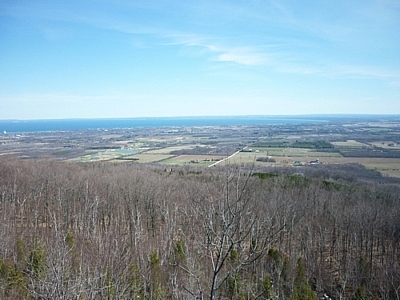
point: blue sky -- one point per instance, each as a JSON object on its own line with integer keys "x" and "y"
{"x": 111, "y": 59}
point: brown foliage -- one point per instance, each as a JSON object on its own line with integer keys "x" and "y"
{"x": 95, "y": 231}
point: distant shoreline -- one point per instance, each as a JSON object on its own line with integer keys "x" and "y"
{"x": 42, "y": 125}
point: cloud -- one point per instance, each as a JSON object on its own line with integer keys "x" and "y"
{"x": 364, "y": 71}
{"x": 218, "y": 52}
{"x": 284, "y": 56}
{"x": 243, "y": 57}
{"x": 300, "y": 31}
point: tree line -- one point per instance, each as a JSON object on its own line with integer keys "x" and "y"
{"x": 130, "y": 231}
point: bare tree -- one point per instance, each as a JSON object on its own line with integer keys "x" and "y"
{"x": 236, "y": 228}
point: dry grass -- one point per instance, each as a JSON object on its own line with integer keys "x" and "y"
{"x": 168, "y": 150}
{"x": 245, "y": 157}
{"x": 391, "y": 173}
{"x": 385, "y": 145}
{"x": 201, "y": 160}
{"x": 350, "y": 143}
{"x": 148, "y": 157}
{"x": 294, "y": 152}
{"x": 385, "y": 165}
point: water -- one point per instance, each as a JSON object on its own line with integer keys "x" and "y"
{"x": 82, "y": 124}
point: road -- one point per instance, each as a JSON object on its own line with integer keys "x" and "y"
{"x": 226, "y": 158}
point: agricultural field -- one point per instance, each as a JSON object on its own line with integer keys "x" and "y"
{"x": 376, "y": 145}
{"x": 350, "y": 144}
{"x": 168, "y": 150}
{"x": 195, "y": 160}
{"x": 290, "y": 152}
{"x": 156, "y": 187}
{"x": 146, "y": 157}
{"x": 386, "y": 144}
{"x": 105, "y": 155}
{"x": 387, "y": 166}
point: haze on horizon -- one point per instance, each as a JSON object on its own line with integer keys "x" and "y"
{"x": 127, "y": 59}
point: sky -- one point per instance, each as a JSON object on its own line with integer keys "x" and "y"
{"x": 147, "y": 58}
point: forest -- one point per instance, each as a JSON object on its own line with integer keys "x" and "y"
{"x": 143, "y": 231}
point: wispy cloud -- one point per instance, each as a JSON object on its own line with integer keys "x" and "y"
{"x": 372, "y": 72}
{"x": 243, "y": 56}
{"x": 282, "y": 56}
{"x": 298, "y": 32}
{"x": 279, "y": 58}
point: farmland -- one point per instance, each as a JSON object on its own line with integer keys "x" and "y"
{"x": 371, "y": 142}
{"x": 146, "y": 213}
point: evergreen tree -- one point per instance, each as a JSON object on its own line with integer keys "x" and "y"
{"x": 301, "y": 288}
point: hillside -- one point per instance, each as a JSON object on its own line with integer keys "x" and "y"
{"x": 124, "y": 231}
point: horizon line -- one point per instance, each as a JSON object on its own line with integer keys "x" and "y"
{"x": 211, "y": 116}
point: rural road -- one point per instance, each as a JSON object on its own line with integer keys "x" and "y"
{"x": 226, "y": 158}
